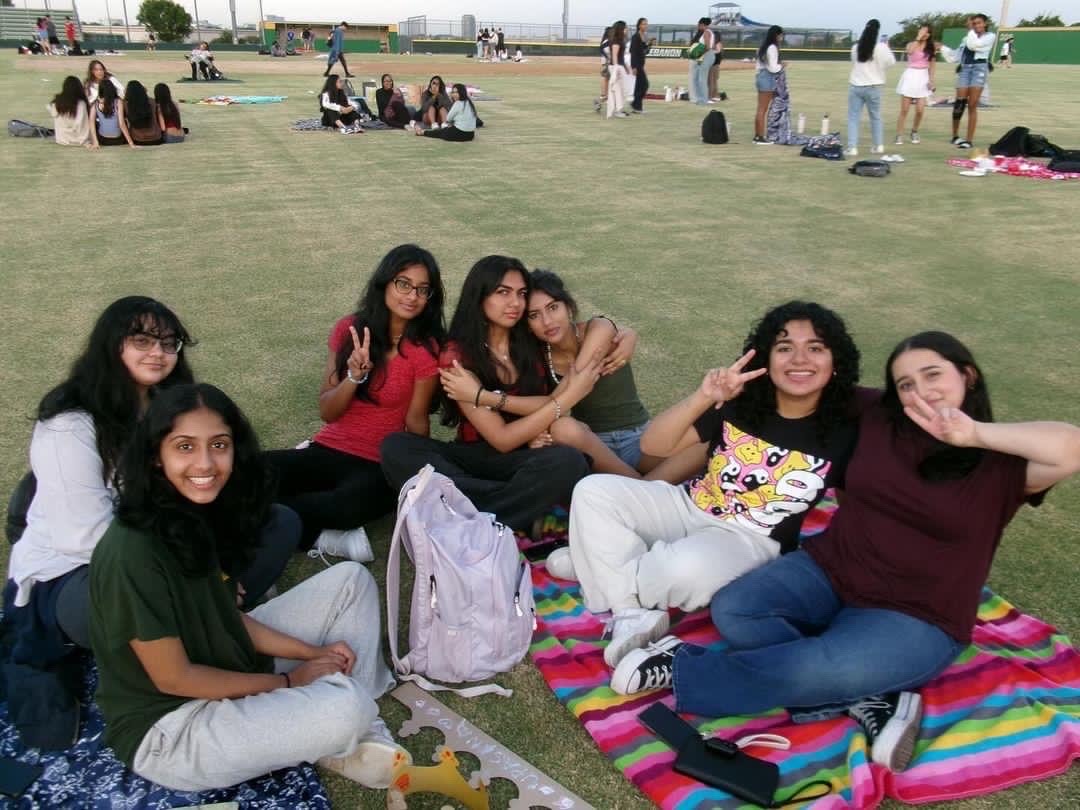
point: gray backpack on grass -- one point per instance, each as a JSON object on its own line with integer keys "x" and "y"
{"x": 24, "y": 129}
{"x": 472, "y": 607}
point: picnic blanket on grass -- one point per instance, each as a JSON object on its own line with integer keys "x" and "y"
{"x": 225, "y": 101}
{"x": 1006, "y": 712}
{"x": 1015, "y": 166}
{"x": 89, "y": 777}
{"x": 316, "y": 125}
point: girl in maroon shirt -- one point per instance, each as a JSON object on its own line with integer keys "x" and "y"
{"x": 884, "y": 600}
{"x": 380, "y": 377}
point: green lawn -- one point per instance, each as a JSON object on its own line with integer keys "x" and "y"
{"x": 260, "y": 238}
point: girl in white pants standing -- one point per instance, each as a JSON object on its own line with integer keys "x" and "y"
{"x": 773, "y": 432}
{"x": 616, "y": 99}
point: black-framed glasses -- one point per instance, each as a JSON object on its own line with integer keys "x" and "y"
{"x": 404, "y": 286}
{"x": 144, "y": 342}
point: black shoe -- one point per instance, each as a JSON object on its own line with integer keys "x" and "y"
{"x": 645, "y": 668}
{"x": 761, "y": 140}
{"x": 955, "y": 140}
{"x": 963, "y": 145}
{"x": 891, "y": 724}
{"x": 723, "y": 96}
{"x": 350, "y": 75}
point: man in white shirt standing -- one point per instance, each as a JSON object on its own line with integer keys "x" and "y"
{"x": 971, "y": 79}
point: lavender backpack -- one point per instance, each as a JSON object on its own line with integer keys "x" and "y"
{"x": 472, "y": 607}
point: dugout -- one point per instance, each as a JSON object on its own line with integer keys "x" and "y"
{"x": 359, "y": 37}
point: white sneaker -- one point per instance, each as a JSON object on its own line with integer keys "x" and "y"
{"x": 560, "y": 565}
{"x": 851, "y": 151}
{"x": 878, "y": 150}
{"x": 372, "y": 763}
{"x": 352, "y": 544}
{"x": 633, "y": 628}
{"x": 621, "y": 114}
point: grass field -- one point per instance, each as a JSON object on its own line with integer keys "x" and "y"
{"x": 260, "y": 238}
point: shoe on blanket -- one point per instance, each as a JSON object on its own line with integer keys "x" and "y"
{"x": 648, "y": 668}
{"x": 632, "y": 628}
{"x": 372, "y": 763}
{"x": 560, "y": 565}
{"x": 891, "y": 723}
{"x": 352, "y": 544}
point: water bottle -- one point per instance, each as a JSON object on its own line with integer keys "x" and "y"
{"x": 825, "y": 124}
{"x": 802, "y": 123}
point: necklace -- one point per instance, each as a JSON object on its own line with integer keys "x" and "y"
{"x": 396, "y": 339}
{"x": 503, "y": 357}
{"x": 555, "y": 378}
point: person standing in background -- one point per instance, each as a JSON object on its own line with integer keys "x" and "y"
{"x": 639, "y": 50}
{"x": 715, "y": 93}
{"x": 869, "y": 61}
{"x": 971, "y": 78}
{"x": 69, "y": 32}
{"x": 616, "y": 90}
{"x": 700, "y": 67}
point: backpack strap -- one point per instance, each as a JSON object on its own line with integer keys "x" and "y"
{"x": 402, "y": 667}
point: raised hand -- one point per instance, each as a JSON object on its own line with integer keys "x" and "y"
{"x": 725, "y": 384}
{"x": 949, "y": 425}
{"x": 359, "y": 362}
{"x": 622, "y": 349}
{"x": 459, "y": 383}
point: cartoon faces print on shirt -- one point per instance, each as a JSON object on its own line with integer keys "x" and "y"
{"x": 757, "y": 484}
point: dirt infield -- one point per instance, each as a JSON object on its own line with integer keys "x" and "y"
{"x": 363, "y": 65}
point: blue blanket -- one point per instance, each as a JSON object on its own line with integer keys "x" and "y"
{"x": 89, "y": 777}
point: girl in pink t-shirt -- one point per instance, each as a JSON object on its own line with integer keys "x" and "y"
{"x": 381, "y": 374}
{"x": 917, "y": 82}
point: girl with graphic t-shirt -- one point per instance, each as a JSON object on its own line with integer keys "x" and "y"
{"x": 771, "y": 434}
{"x": 380, "y": 377}
{"x": 192, "y": 695}
{"x": 885, "y": 598}
{"x": 507, "y": 457}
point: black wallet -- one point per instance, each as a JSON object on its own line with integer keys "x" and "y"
{"x": 715, "y": 762}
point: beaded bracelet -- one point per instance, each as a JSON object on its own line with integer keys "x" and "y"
{"x": 558, "y": 408}
{"x": 353, "y": 380}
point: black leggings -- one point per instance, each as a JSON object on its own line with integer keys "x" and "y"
{"x": 331, "y": 117}
{"x": 450, "y": 133}
{"x": 518, "y": 487}
{"x": 330, "y": 489}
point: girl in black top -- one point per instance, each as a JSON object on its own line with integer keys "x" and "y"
{"x": 391, "y": 104}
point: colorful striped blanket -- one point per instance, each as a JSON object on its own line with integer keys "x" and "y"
{"x": 1006, "y": 712}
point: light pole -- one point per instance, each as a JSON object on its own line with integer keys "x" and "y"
{"x": 565, "y": 17}
{"x": 235, "y": 33}
{"x": 108, "y": 15}
{"x": 198, "y": 30}
{"x": 127, "y": 26}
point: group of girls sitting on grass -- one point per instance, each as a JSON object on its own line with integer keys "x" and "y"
{"x": 152, "y": 535}
{"x": 101, "y": 111}
{"x": 448, "y": 116}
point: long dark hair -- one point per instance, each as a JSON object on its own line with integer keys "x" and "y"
{"x": 137, "y": 105}
{"x": 337, "y": 95}
{"x": 547, "y": 281}
{"x": 163, "y": 97}
{"x": 928, "y": 46}
{"x": 428, "y": 328}
{"x": 945, "y": 462}
{"x": 618, "y": 32}
{"x": 700, "y": 32}
{"x": 71, "y": 95}
{"x": 469, "y": 331}
{"x": 758, "y": 399}
{"x": 772, "y": 37}
{"x": 442, "y": 85}
{"x": 108, "y": 96}
{"x": 202, "y": 538}
{"x": 90, "y": 71}
{"x": 99, "y": 382}
{"x": 463, "y": 95}
{"x": 865, "y": 50}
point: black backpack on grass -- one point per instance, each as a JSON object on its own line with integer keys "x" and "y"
{"x": 714, "y": 128}
{"x": 1011, "y": 144}
{"x": 870, "y": 168}
{"x": 1040, "y": 146}
{"x": 1067, "y": 161}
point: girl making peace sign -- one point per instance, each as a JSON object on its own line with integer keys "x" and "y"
{"x": 380, "y": 377}
{"x": 771, "y": 433}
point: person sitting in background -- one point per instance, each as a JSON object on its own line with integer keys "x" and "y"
{"x": 460, "y": 123}
{"x": 202, "y": 60}
{"x": 391, "y": 104}
{"x": 71, "y": 115}
{"x": 336, "y": 109}
{"x": 96, "y": 73}
{"x": 143, "y": 119}
{"x": 110, "y": 123}
{"x": 169, "y": 115}
{"x": 276, "y": 49}
{"x": 434, "y": 103}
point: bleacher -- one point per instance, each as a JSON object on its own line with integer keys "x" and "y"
{"x": 21, "y": 23}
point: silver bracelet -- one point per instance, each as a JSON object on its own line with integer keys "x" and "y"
{"x": 353, "y": 380}
{"x": 558, "y": 409}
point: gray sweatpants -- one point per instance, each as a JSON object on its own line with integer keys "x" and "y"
{"x": 208, "y": 744}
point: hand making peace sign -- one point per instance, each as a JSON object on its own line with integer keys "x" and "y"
{"x": 949, "y": 425}
{"x": 724, "y": 384}
{"x": 359, "y": 362}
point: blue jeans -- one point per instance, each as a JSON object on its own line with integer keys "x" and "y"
{"x": 972, "y": 75}
{"x": 626, "y": 444}
{"x": 793, "y": 643}
{"x": 700, "y": 91}
{"x": 870, "y": 96}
